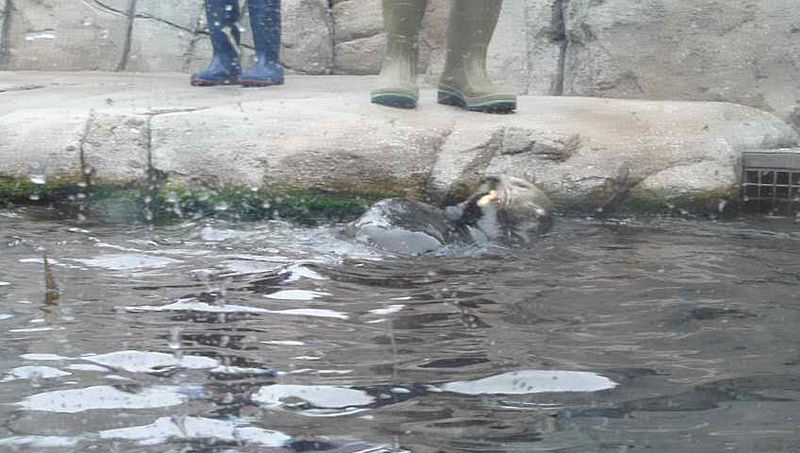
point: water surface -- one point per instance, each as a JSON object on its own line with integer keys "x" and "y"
{"x": 653, "y": 334}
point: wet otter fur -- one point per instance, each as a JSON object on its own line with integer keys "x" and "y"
{"x": 503, "y": 210}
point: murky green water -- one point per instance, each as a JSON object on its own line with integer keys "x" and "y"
{"x": 651, "y": 335}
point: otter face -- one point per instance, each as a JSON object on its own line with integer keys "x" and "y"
{"x": 504, "y": 209}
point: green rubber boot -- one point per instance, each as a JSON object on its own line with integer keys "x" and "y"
{"x": 464, "y": 82}
{"x": 397, "y": 85}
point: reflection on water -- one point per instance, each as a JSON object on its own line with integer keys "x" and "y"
{"x": 660, "y": 335}
{"x": 101, "y": 397}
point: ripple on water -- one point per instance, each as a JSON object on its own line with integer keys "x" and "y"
{"x": 437, "y": 353}
{"x": 194, "y": 305}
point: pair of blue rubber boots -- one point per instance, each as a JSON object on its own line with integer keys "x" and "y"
{"x": 225, "y": 68}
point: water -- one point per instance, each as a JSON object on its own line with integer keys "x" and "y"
{"x": 657, "y": 335}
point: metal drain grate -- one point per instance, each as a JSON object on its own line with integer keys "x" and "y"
{"x": 771, "y": 181}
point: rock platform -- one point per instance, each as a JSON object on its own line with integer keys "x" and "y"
{"x": 320, "y": 133}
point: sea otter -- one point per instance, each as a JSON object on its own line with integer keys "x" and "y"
{"x": 504, "y": 210}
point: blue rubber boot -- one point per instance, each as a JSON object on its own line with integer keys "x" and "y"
{"x": 265, "y": 20}
{"x": 222, "y": 17}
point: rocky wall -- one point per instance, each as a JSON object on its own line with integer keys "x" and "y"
{"x": 747, "y": 51}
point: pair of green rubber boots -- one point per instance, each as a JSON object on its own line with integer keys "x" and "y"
{"x": 464, "y": 82}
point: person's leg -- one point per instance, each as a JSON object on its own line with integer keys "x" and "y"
{"x": 397, "y": 86}
{"x": 222, "y": 16}
{"x": 265, "y": 21}
{"x": 465, "y": 82}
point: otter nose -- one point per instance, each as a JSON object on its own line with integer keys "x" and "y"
{"x": 492, "y": 197}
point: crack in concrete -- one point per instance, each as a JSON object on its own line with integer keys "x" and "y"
{"x": 22, "y": 88}
{"x": 126, "y": 48}
{"x": 95, "y": 4}
{"x": 560, "y": 36}
{"x": 154, "y": 113}
{"x": 5, "y": 35}
{"x": 332, "y": 21}
{"x": 189, "y": 54}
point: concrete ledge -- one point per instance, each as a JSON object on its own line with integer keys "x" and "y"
{"x": 321, "y": 134}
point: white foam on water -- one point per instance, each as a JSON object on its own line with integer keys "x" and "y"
{"x": 337, "y": 372}
{"x": 211, "y": 234}
{"x": 244, "y": 267}
{"x": 35, "y": 329}
{"x": 532, "y": 381}
{"x": 128, "y": 262}
{"x": 284, "y": 342}
{"x": 296, "y": 294}
{"x": 34, "y": 372}
{"x": 318, "y": 396}
{"x": 298, "y": 272}
{"x": 166, "y": 428}
{"x": 239, "y": 370}
{"x": 148, "y": 362}
{"x": 314, "y": 312}
{"x": 4, "y": 316}
{"x": 37, "y": 260}
{"x": 117, "y": 247}
{"x": 102, "y": 397}
{"x": 5, "y": 283}
{"x": 194, "y": 305}
{"x": 388, "y": 310}
{"x": 87, "y": 367}
{"x": 40, "y": 441}
{"x": 44, "y": 357}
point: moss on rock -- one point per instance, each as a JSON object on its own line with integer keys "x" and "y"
{"x": 125, "y": 203}
{"x": 170, "y": 202}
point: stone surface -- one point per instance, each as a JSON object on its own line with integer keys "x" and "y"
{"x": 63, "y": 36}
{"x": 746, "y": 51}
{"x": 322, "y": 133}
{"x": 4, "y": 5}
{"x": 525, "y": 50}
{"x": 307, "y": 36}
{"x": 32, "y": 152}
{"x": 360, "y": 56}
{"x": 157, "y": 46}
{"x": 360, "y": 42}
{"x": 164, "y": 35}
{"x": 116, "y": 147}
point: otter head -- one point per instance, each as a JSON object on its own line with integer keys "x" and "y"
{"x": 504, "y": 209}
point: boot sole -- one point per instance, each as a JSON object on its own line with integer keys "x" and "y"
{"x": 259, "y": 83}
{"x": 213, "y": 83}
{"x": 499, "y": 106}
{"x": 396, "y": 100}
